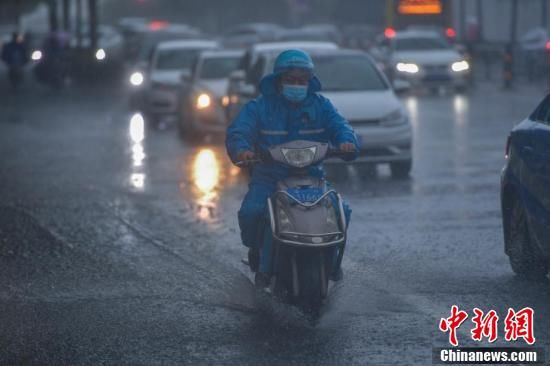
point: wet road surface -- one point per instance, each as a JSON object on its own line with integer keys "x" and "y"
{"x": 119, "y": 243}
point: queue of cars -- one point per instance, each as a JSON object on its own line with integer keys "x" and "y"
{"x": 200, "y": 85}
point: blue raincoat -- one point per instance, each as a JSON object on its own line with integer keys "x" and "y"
{"x": 271, "y": 120}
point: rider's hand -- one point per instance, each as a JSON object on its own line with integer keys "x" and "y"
{"x": 246, "y": 155}
{"x": 347, "y": 147}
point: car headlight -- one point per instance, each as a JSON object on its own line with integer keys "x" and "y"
{"x": 100, "y": 54}
{"x": 36, "y": 55}
{"x": 460, "y": 66}
{"x": 394, "y": 118}
{"x": 137, "y": 78}
{"x": 203, "y": 101}
{"x": 407, "y": 67}
{"x": 299, "y": 157}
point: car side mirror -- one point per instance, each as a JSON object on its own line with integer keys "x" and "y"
{"x": 185, "y": 77}
{"x": 460, "y": 48}
{"x": 247, "y": 90}
{"x": 237, "y": 76}
{"x": 401, "y": 86}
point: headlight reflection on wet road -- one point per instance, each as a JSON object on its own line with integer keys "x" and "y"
{"x": 206, "y": 177}
{"x": 137, "y": 135}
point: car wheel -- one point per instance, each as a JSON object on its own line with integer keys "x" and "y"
{"x": 366, "y": 170}
{"x": 525, "y": 260}
{"x": 337, "y": 172}
{"x": 401, "y": 169}
{"x": 461, "y": 89}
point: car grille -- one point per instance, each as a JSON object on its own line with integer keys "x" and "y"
{"x": 365, "y": 122}
{"x": 165, "y": 87}
{"x": 436, "y": 69}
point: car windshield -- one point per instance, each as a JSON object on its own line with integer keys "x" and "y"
{"x": 219, "y": 67}
{"x": 144, "y": 43}
{"x": 420, "y": 44}
{"x": 176, "y": 59}
{"x": 344, "y": 73}
{"x": 349, "y": 73}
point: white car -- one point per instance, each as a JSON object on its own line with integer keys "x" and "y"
{"x": 243, "y": 82}
{"x": 423, "y": 58}
{"x": 203, "y": 96}
{"x": 363, "y": 95}
{"x": 170, "y": 60}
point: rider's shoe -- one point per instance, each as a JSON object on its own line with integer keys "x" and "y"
{"x": 262, "y": 280}
{"x": 337, "y": 276}
{"x": 254, "y": 259}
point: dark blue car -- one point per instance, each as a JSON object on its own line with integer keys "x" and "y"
{"x": 525, "y": 194}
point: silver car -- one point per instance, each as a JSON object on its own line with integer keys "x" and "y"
{"x": 170, "y": 60}
{"x": 203, "y": 95}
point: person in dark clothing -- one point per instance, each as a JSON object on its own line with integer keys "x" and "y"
{"x": 15, "y": 56}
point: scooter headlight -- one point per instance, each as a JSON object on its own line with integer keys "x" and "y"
{"x": 299, "y": 157}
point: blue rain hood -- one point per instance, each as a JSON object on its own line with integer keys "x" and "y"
{"x": 289, "y": 59}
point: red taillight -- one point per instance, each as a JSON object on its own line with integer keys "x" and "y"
{"x": 156, "y": 25}
{"x": 507, "y": 150}
{"x": 389, "y": 32}
{"x": 548, "y": 46}
{"x": 450, "y": 32}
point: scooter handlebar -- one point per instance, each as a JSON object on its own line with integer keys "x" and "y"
{"x": 245, "y": 163}
{"x": 337, "y": 153}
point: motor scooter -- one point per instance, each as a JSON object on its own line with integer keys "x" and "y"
{"x": 305, "y": 239}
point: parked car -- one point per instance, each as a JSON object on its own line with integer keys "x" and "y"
{"x": 244, "y": 81}
{"x": 364, "y": 96}
{"x": 525, "y": 194}
{"x": 422, "y": 58}
{"x": 169, "y": 61}
{"x": 203, "y": 97}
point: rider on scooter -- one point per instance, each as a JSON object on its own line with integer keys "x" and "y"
{"x": 289, "y": 108}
